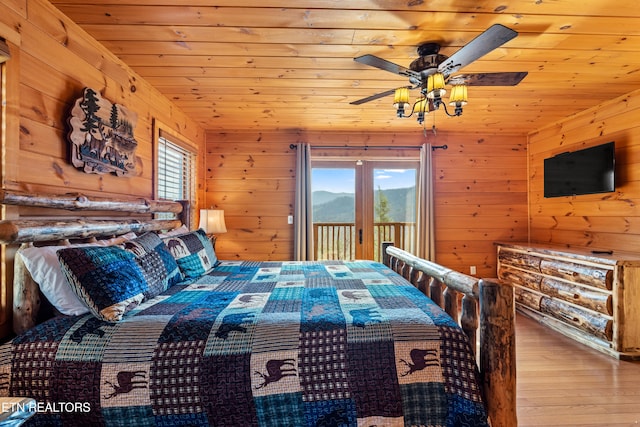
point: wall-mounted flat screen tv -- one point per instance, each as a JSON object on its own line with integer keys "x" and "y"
{"x": 587, "y": 171}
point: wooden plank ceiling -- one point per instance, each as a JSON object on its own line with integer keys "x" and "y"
{"x": 283, "y": 64}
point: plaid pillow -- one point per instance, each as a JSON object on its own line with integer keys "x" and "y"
{"x": 193, "y": 252}
{"x": 106, "y": 278}
{"x": 158, "y": 266}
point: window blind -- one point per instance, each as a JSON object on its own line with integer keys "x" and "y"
{"x": 176, "y": 171}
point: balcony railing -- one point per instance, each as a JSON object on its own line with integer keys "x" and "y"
{"x": 337, "y": 240}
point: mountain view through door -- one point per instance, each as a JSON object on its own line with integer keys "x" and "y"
{"x": 361, "y": 205}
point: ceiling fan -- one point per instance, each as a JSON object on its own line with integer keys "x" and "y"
{"x": 432, "y": 70}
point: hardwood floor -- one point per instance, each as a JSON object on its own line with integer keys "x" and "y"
{"x": 564, "y": 383}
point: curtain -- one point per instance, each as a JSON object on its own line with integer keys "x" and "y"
{"x": 302, "y": 217}
{"x": 425, "y": 224}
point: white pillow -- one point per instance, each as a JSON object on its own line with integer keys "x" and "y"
{"x": 44, "y": 267}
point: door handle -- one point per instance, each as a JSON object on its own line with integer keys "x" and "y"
{"x": 360, "y": 235}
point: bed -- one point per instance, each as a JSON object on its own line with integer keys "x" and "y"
{"x": 193, "y": 340}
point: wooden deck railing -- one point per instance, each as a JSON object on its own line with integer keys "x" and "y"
{"x": 337, "y": 240}
{"x": 334, "y": 240}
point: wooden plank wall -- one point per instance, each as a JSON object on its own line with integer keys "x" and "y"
{"x": 609, "y": 221}
{"x": 57, "y": 60}
{"x": 52, "y": 61}
{"x": 480, "y": 190}
{"x": 481, "y": 198}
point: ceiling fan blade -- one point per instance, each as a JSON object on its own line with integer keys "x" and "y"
{"x": 385, "y": 65}
{"x": 376, "y": 96}
{"x": 492, "y": 38}
{"x": 490, "y": 79}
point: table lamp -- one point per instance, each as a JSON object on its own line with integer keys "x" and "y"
{"x": 212, "y": 222}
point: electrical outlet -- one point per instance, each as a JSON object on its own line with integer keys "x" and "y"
{"x": 290, "y": 219}
{"x": 472, "y": 269}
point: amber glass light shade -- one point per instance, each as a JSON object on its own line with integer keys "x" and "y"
{"x": 458, "y": 95}
{"x": 435, "y": 86}
{"x": 401, "y": 101}
{"x": 401, "y": 96}
{"x": 421, "y": 106}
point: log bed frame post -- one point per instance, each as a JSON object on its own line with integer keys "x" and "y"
{"x": 485, "y": 302}
{"x": 26, "y": 297}
{"x": 498, "y": 350}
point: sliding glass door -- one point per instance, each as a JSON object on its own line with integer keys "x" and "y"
{"x": 358, "y": 204}
{"x": 334, "y": 192}
{"x": 394, "y": 206}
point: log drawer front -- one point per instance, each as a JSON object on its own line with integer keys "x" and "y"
{"x": 593, "y": 298}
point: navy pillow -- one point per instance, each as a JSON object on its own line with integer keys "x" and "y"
{"x": 106, "y": 278}
{"x": 193, "y": 252}
{"x": 158, "y": 266}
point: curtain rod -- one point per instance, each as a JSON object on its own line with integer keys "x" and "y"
{"x": 374, "y": 147}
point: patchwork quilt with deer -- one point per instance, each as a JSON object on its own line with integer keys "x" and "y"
{"x": 331, "y": 343}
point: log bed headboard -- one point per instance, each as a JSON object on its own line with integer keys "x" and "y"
{"x": 102, "y": 218}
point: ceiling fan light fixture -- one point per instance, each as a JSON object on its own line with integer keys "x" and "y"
{"x": 458, "y": 95}
{"x": 458, "y": 98}
{"x": 428, "y": 73}
{"x": 435, "y": 86}
{"x": 401, "y": 100}
{"x": 421, "y": 108}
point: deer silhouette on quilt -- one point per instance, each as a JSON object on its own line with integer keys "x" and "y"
{"x": 90, "y": 327}
{"x": 233, "y": 322}
{"x": 276, "y": 370}
{"x": 127, "y": 381}
{"x": 420, "y": 359}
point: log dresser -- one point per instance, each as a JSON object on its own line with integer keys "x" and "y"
{"x": 590, "y": 296}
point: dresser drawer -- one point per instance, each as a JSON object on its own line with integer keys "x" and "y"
{"x": 600, "y": 301}
{"x": 583, "y": 319}
{"x": 519, "y": 259}
{"x": 596, "y": 276}
{"x": 519, "y": 277}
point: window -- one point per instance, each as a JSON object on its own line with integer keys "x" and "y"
{"x": 176, "y": 171}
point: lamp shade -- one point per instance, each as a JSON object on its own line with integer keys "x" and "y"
{"x": 212, "y": 221}
{"x": 401, "y": 97}
{"x": 458, "y": 95}
{"x": 435, "y": 86}
{"x": 421, "y": 106}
